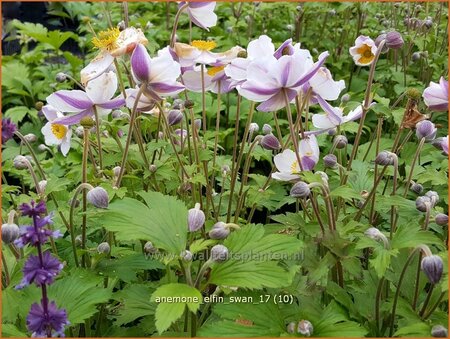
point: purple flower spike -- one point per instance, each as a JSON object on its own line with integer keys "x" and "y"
{"x": 8, "y": 129}
{"x": 36, "y": 235}
{"x": 140, "y": 63}
{"x": 34, "y": 272}
{"x": 42, "y": 324}
{"x": 32, "y": 209}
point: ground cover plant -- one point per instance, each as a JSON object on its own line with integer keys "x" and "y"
{"x": 226, "y": 170}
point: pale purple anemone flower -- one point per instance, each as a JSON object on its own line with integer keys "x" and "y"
{"x": 324, "y": 86}
{"x": 98, "y": 95}
{"x": 441, "y": 144}
{"x": 159, "y": 74}
{"x": 287, "y": 164}
{"x": 268, "y": 78}
{"x": 435, "y": 96}
{"x": 333, "y": 117}
{"x": 214, "y": 79}
{"x": 201, "y": 13}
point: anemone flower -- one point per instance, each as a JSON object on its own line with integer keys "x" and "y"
{"x": 98, "y": 96}
{"x": 213, "y": 78}
{"x": 54, "y": 133}
{"x": 333, "y": 117}
{"x": 111, "y": 43}
{"x": 268, "y": 78}
{"x": 159, "y": 74}
{"x": 323, "y": 85}
{"x": 287, "y": 163}
{"x": 201, "y": 13}
{"x": 364, "y": 51}
{"x": 435, "y": 96}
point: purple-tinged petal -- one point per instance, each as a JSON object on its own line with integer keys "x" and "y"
{"x": 279, "y": 52}
{"x": 308, "y": 163}
{"x": 277, "y": 101}
{"x": 167, "y": 89}
{"x": 69, "y": 101}
{"x": 306, "y": 77}
{"x": 141, "y": 63}
{"x": 331, "y": 111}
{"x": 74, "y": 118}
{"x": 113, "y": 103}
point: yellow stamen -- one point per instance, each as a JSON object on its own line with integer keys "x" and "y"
{"x": 294, "y": 166}
{"x": 366, "y": 54}
{"x": 59, "y": 131}
{"x": 107, "y": 39}
{"x": 204, "y": 45}
{"x": 214, "y": 70}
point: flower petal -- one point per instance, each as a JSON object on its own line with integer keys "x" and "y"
{"x": 101, "y": 89}
{"x": 141, "y": 64}
{"x": 96, "y": 67}
{"x": 69, "y": 101}
{"x": 74, "y": 118}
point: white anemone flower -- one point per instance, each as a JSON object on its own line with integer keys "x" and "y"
{"x": 54, "y": 133}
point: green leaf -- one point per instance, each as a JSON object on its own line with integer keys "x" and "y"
{"x": 11, "y": 331}
{"x": 345, "y": 192}
{"x": 163, "y": 221}
{"x": 382, "y": 260}
{"x": 136, "y": 303}
{"x": 167, "y": 311}
{"x": 200, "y": 245}
{"x": 410, "y": 236}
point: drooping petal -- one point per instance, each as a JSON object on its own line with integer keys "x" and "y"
{"x": 96, "y": 67}
{"x": 312, "y": 71}
{"x": 141, "y": 64}
{"x": 113, "y": 103}
{"x": 50, "y": 112}
{"x": 164, "y": 69}
{"x": 166, "y": 88}
{"x": 193, "y": 80}
{"x": 277, "y": 101}
{"x": 260, "y": 47}
{"x": 69, "y": 101}
{"x": 323, "y": 84}
{"x": 202, "y": 14}
{"x": 74, "y": 118}
{"x": 355, "y": 114}
{"x": 102, "y": 89}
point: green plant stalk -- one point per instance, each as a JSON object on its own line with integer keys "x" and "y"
{"x": 416, "y": 156}
{"x": 277, "y": 127}
{"x": 99, "y": 141}
{"x": 394, "y": 191}
{"x": 216, "y": 137}
{"x": 433, "y": 308}
{"x": 427, "y": 301}
{"x": 5, "y": 268}
{"x": 236, "y": 165}
{"x": 397, "y": 291}
{"x": 175, "y": 25}
{"x": 317, "y": 213}
{"x": 130, "y": 132}
{"x": 291, "y": 129}
{"x": 377, "y": 305}
{"x": 375, "y": 175}
{"x": 207, "y": 307}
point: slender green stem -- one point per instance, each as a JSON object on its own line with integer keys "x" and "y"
{"x": 427, "y": 301}
{"x": 5, "y": 268}
{"x": 433, "y": 308}
{"x": 377, "y": 304}
{"x": 291, "y": 129}
{"x": 416, "y": 156}
{"x": 375, "y": 175}
{"x": 99, "y": 141}
{"x": 84, "y": 181}
{"x": 175, "y": 25}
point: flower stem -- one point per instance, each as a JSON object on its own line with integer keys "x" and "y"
{"x": 427, "y": 301}
{"x": 99, "y": 141}
{"x": 375, "y": 175}
{"x": 416, "y": 156}
{"x": 83, "y": 181}
{"x": 175, "y": 25}
{"x": 377, "y": 304}
{"x": 5, "y": 267}
{"x": 291, "y": 129}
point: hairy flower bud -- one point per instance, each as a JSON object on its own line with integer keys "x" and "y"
{"x": 79, "y": 131}
{"x": 42, "y": 185}
{"x": 434, "y": 197}
{"x": 197, "y": 123}
{"x": 426, "y": 129}
{"x": 385, "y": 158}
{"x": 178, "y": 104}
{"x": 30, "y": 137}
{"x": 98, "y": 197}
{"x": 219, "y": 231}
{"x": 78, "y": 240}
{"x": 432, "y": 266}
{"x": 20, "y": 162}
{"x": 61, "y": 77}
{"x": 394, "y": 40}
{"x": 266, "y": 129}
{"x": 225, "y": 170}
{"x": 87, "y": 122}
{"x": 300, "y": 190}
{"x": 290, "y": 328}
{"x": 330, "y": 160}
{"x": 441, "y": 219}
{"x": 10, "y": 232}
{"x": 417, "y": 188}
{"x": 378, "y": 41}
{"x": 340, "y": 141}
{"x": 270, "y": 142}
{"x": 196, "y": 218}
{"x": 219, "y": 253}
{"x": 416, "y": 56}
{"x": 186, "y": 256}
{"x": 42, "y": 148}
{"x": 116, "y": 114}
{"x": 103, "y": 248}
{"x": 253, "y": 128}
{"x": 428, "y": 23}
{"x": 242, "y": 54}
{"x": 116, "y": 171}
{"x": 189, "y": 104}
{"x": 305, "y": 328}
{"x": 422, "y": 202}
{"x": 149, "y": 248}
{"x": 174, "y": 117}
{"x": 38, "y": 105}
{"x": 439, "y": 331}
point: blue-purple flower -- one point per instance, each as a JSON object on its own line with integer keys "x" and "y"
{"x": 32, "y": 209}
{"x": 36, "y": 234}
{"x": 44, "y": 319}
{"x": 8, "y": 129}
{"x": 40, "y": 274}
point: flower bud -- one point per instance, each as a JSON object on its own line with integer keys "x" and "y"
{"x": 61, "y": 77}
{"x": 116, "y": 113}
{"x": 394, "y": 40}
{"x": 242, "y": 54}
{"x": 253, "y": 128}
{"x": 174, "y": 117}
{"x": 116, "y": 171}
{"x": 416, "y": 56}
{"x": 20, "y": 162}
{"x": 42, "y": 185}
{"x": 225, "y": 170}
{"x": 426, "y": 129}
{"x": 103, "y": 248}
{"x": 219, "y": 253}
{"x": 345, "y": 98}
{"x": 121, "y": 25}
{"x": 189, "y": 103}
{"x": 98, "y": 197}
{"x": 441, "y": 219}
{"x": 78, "y": 240}
{"x": 385, "y": 158}
{"x": 300, "y": 190}
{"x": 79, "y": 131}
{"x": 330, "y": 160}
{"x": 178, "y": 104}
{"x": 42, "y": 148}
{"x": 267, "y": 129}
{"x": 417, "y": 188}
{"x": 332, "y": 12}
{"x": 432, "y": 266}
{"x": 434, "y": 197}
{"x": 340, "y": 141}
{"x": 87, "y": 122}
{"x": 30, "y": 137}
{"x": 290, "y": 328}
{"x": 270, "y": 142}
{"x": 149, "y": 248}
{"x": 305, "y": 328}
{"x": 439, "y": 331}
{"x": 422, "y": 202}
{"x": 186, "y": 256}
{"x": 219, "y": 231}
{"x": 10, "y": 232}
{"x": 378, "y": 41}
{"x": 38, "y": 105}
{"x": 428, "y": 23}
{"x": 196, "y": 218}
{"x": 197, "y": 123}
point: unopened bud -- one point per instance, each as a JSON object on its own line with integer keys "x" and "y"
{"x": 20, "y": 162}
{"x": 219, "y": 253}
{"x": 219, "y": 231}
{"x": 305, "y": 328}
{"x": 174, "y": 117}
{"x": 42, "y": 148}
{"x": 121, "y": 25}
{"x": 432, "y": 266}
{"x": 439, "y": 331}
{"x": 149, "y": 248}
{"x": 242, "y": 54}
{"x": 116, "y": 171}
{"x": 345, "y": 98}
{"x": 42, "y": 185}
{"x": 189, "y": 104}
{"x": 186, "y": 256}
{"x": 87, "y": 122}
{"x": 116, "y": 114}
{"x": 378, "y": 41}
{"x": 30, "y": 137}
{"x": 225, "y": 170}
{"x": 10, "y": 232}
{"x": 385, "y": 158}
{"x": 426, "y": 129}
{"x": 417, "y": 188}
{"x": 441, "y": 219}
{"x": 428, "y": 23}
{"x": 415, "y": 56}
{"x": 340, "y": 141}
{"x": 197, "y": 123}
{"x": 103, "y": 248}
{"x": 78, "y": 240}
{"x": 79, "y": 132}
{"x": 300, "y": 190}
{"x": 196, "y": 218}
{"x": 434, "y": 197}
{"x": 270, "y": 142}
{"x": 394, "y": 40}
{"x": 330, "y": 160}
{"x": 423, "y": 203}
{"x": 38, "y": 105}
{"x": 267, "y": 129}
{"x": 253, "y": 128}
{"x": 98, "y": 197}
{"x": 61, "y": 77}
